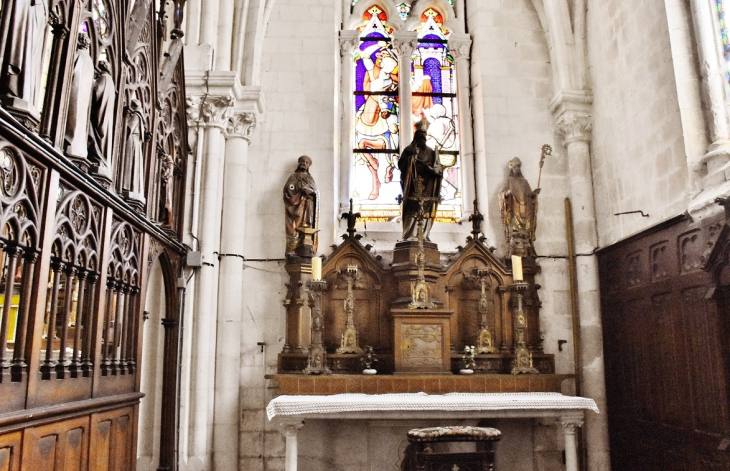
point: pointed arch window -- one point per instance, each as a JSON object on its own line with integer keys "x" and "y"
{"x": 433, "y": 98}
{"x": 396, "y": 72}
{"x": 376, "y": 120}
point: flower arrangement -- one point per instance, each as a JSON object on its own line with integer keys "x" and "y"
{"x": 468, "y": 357}
{"x": 369, "y": 359}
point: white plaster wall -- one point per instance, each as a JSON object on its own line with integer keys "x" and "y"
{"x": 638, "y": 153}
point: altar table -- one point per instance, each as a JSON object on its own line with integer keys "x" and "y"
{"x": 290, "y": 411}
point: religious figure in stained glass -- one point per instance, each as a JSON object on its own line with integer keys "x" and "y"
{"x": 433, "y": 86}
{"x": 376, "y": 107}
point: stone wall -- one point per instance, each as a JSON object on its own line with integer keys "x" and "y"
{"x": 638, "y": 150}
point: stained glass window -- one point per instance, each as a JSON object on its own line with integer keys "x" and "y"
{"x": 403, "y": 10}
{"x": 375, "y": 143}
{"x": 724, "y": 33}
{"x": 433, "y": 85}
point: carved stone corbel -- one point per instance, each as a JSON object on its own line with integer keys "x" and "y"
{"x": 572, "y": 112}
{"x": 349, "y": 41}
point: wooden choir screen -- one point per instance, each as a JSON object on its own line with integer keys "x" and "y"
{"x": 92, "y": 176}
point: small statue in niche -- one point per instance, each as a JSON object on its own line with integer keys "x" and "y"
{"x": 133, "y": 157}
{"x": 419, "y": 162}
{"x": 20, "y": 75}
{"x": 79, "y": 103}
{"x": 518, "y": 205}
{"x": 301, "y": 202}
{"x": 167, "y": 171}
{"x": 102, "y": 118}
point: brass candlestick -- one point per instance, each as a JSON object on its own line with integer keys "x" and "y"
{"x": 317, "y": 361}
{"x": 523, "y": 357}
{"x": 349, "y": 343}
{"x": 485, "y": 342}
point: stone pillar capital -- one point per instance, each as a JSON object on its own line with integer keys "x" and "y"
{"x": 569, "y": 424}
{"x": 572, "y": 112}
{"x": 460, "y": 45}
{"x": 349, "y": 40}
{"x": 405, "y": 42}
{"x": 241, "y": 124}
{"x": 209, "y": 110}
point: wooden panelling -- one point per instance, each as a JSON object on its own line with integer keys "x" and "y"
{"x": 663, "y": 344}
{"x": 10, "y": 452}
{"x": 112, "y": 440}
{"x": 60, "y": 446}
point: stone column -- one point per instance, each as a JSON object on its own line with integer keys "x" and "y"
{"x": 405, "y": 43}
{"x": 290, "y": 430}
{"x": 569, "y": 425}
{"x": 713, "y": 72}
{"x": 460, "y": 45}
{"x": 349, "y": 41}
{"x": 574, "y": 122}
{"x": 211, "y": 113}
{"x": 239, "y": 128}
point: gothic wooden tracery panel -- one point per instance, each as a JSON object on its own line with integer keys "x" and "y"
{"x": 20, "y": 220}
{"x": 72, "y": 286}
{"x": 121, "y": 313}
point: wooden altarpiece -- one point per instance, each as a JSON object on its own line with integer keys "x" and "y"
{"x": 473, "y": 283}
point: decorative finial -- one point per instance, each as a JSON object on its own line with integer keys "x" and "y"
{"x": 351, "y": 220}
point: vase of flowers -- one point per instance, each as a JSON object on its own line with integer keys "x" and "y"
{"x": 369, "y": 360}
{"x": 467, "y": 360}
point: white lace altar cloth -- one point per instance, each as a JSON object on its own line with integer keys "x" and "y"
{"x": 302, "y": 405}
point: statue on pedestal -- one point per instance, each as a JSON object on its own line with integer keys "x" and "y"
{"x": 79, "y": 103}
{"x": 301, "y": 202}
{"x": 419, "y": 164}
{"x": 518, "y": 205}
{"x": 20, "y": 75}
{"x": 133, "y": 163}
{"x": 102, "y": 118}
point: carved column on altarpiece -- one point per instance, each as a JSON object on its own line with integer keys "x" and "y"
{"x": 405, "y": 42}
{"x": 572, "y": 112}
{"x": 207, "y": 116}
{"x": 460, "y": 48}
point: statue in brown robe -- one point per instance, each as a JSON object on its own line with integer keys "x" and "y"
{"x": 301, "y": 201}
{"x": 518, "y": 205}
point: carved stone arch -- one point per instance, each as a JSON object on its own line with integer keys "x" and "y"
{"x": 355, "y": 18}
{"x": 442, "y": 6}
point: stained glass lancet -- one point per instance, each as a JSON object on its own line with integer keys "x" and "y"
{"x": 375, "y": 137}
{"x": 721, "y": 10}
{"x": 433, "y": 85}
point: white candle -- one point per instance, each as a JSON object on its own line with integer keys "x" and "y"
{"x": 517, "y": 268}
{"x": 316, "y": 268}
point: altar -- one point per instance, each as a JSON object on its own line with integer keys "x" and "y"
{"x": 290, "y": 412}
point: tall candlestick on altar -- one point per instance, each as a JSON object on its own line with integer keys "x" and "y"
{"x": 517, "y": 268}
{"x": 316, "y": 268}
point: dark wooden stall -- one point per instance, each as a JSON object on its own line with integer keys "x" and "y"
{"x": 92, "y": 179}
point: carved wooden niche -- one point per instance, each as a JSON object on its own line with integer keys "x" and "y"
{"x": 131, "y": 176}
{"x": 475, "y": 288}
{"x": 370, "y": 294}
{"x": 168, "y": 169}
